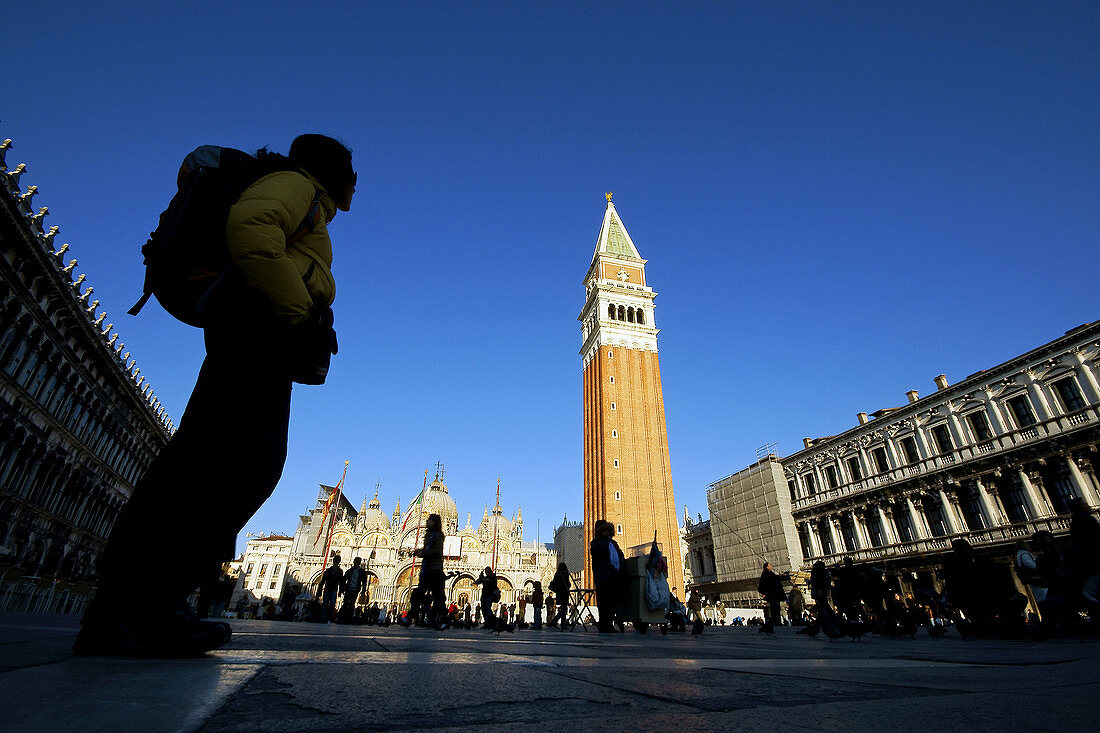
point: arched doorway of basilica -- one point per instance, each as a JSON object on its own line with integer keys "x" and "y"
{"x": 371, "y": 590}
{"x": 402, "y": 587}
{"x": 507, "y": 590}
{"x": 462, "y": 591}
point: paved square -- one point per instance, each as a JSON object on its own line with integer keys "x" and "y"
{"x": 278, "y": 676}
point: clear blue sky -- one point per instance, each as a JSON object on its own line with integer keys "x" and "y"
{"x": 838, "y": 202}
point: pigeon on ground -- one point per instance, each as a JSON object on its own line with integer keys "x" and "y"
{"x": 854, "y": 629}
{"x": 697, "y": 627}
{"x": 811, "y": 631}
{"x": 830, "y": 630}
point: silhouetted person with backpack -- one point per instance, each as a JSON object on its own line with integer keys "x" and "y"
{"x": 560, "y": 586}
{"x": 267, "y": 323}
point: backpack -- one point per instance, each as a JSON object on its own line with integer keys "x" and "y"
{"x": 187, "y": 255}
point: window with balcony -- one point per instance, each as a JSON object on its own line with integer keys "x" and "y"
{"x": 1015, "y": 502}
{"x": 830, "y": 476}
{"x": 804, "y": 540}
{"x": 1070, "y": 394}
{"x": 848, "y": 533}
{"x": 971, "y": 507}
{"x": 882, "y": 463}
{"x": 853, "y": 469}
{"x": 808, "y": 483}
{"x": 1021, "y": 411}
{"x": 979, "y": 425}
{"x": 904, "y": 523}
{"x": 874, "y": 529}
{"x": 909, "y": 450}
{"x": 826, "y": 540}
{"x": 937, "y": 523}
{"x": 1061, "y": 493}
{"x": 942, "y": 437}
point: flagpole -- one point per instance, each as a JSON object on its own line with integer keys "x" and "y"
{"x": 496, "y": 528}
{"x": 420, "y": 502}
{"x": 336, "y": 491}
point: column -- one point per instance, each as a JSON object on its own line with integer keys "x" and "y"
{"x": 834, "y": 526}
{"x": 1037, "y": 505}
{"x": 997, "y": 420}
{"x": 954, "y": 524}
{"x": 1038, "y": 399}
{"x": 916, "y": 518}
{"x": 990, "y": 506}
{"x": 1088, "y": 378}
{"x": 1081, "y": 484}
{"x": 815, "y": 541}
{"x": 886, "y": 516}
{"x": 862, "y": 532}
{"x": 957, "y": 433}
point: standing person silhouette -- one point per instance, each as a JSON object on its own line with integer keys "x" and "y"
{"x": 431, "y": 578}
{"x": 771, "y": 587}
{"x": 490, "y": 594}
{"x": 264, "y": 325}
{"x": 560, "y": 586}
{"x": 607, "y": 569}
{"x": 332, "y": 583}
{"x": 355, "y": 579}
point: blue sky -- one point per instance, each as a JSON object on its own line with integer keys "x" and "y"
{"x": 838, "y": 202}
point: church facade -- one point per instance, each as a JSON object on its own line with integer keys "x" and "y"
{"x": 385, "y": 544}
{"x": 627, "y": 473}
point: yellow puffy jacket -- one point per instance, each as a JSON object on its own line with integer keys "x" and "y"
{"x": 268, "y": 212}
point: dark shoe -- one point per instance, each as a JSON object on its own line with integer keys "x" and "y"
{"x": 172, "y": 639}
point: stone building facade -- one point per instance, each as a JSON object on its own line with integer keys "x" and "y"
{"x": 385, "y": 544}
{"x": 751, "y": 524}
{"x": 78, "y": 425}
{"x": 627, "y": 473}
{"x": 569, "y": 545}
{"x": 991, "y": 459}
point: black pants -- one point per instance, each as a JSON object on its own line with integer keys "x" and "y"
{"x": 219, "y": 467}
{"x": 563, "y": 608}
{"x": 430, "y": 583}
{"x": 487, "y": 615}
{"x": 773, "y": 613}
{"x": 609, "y": 598}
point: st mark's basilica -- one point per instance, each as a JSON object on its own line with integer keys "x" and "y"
{"x": 385, "y": 544}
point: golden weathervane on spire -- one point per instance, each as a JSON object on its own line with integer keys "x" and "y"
{"x": 608, "y": 195}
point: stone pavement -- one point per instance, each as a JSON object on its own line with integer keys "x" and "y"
{"x": 278, "y": 676}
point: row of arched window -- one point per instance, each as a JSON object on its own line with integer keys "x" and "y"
{"x": 47, "y": 480}
{"x": 629, "y": 314}
{"x": 36, "y": 365}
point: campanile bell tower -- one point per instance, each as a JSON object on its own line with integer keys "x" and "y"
{"x": 627, "y": 476}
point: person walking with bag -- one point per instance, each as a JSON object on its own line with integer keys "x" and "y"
{"x": 266, "y": 324}
{"x": 560, "y": 586}
{"x": 490, "y": 594}
{"x": 431, "y": 581}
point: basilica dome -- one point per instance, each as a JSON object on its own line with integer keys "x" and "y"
{"x": 437, "y": 500}
{"x": 372, "y": 517}
{"x": 495, "y": 525}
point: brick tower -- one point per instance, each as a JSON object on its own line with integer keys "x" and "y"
{"x": 627, "y": 476}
